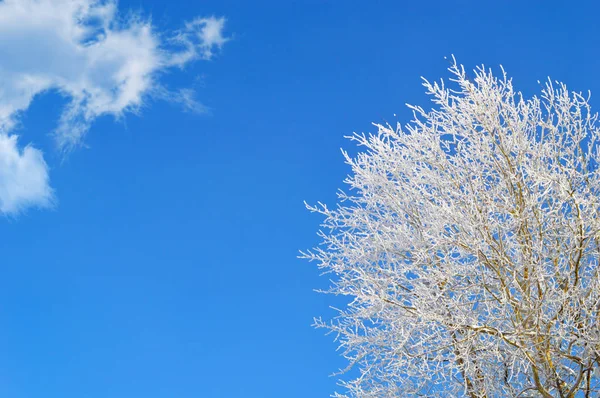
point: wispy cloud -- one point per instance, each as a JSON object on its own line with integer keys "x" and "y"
{"x": 23, "y": 177}
{"x": 101, "y": 62}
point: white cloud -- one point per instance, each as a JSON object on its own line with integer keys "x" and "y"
{"x": 199, "y": 38}
{"x": 102, "y": 63}
{"x": 23, "y": 177}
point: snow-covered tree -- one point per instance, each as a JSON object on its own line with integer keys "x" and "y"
{"x": 468, "y": 244}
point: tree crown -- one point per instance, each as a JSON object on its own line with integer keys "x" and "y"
{"x": 468, "y": 243}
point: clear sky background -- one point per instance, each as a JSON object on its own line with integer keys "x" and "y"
{"x": 167, "y": 266}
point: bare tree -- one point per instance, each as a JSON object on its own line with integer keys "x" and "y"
{"x": 468, "y": 244}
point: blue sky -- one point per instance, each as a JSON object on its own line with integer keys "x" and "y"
{"x": 149, "y": 241}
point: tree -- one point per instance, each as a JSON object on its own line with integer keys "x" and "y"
{"x": 469, "y": 244}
